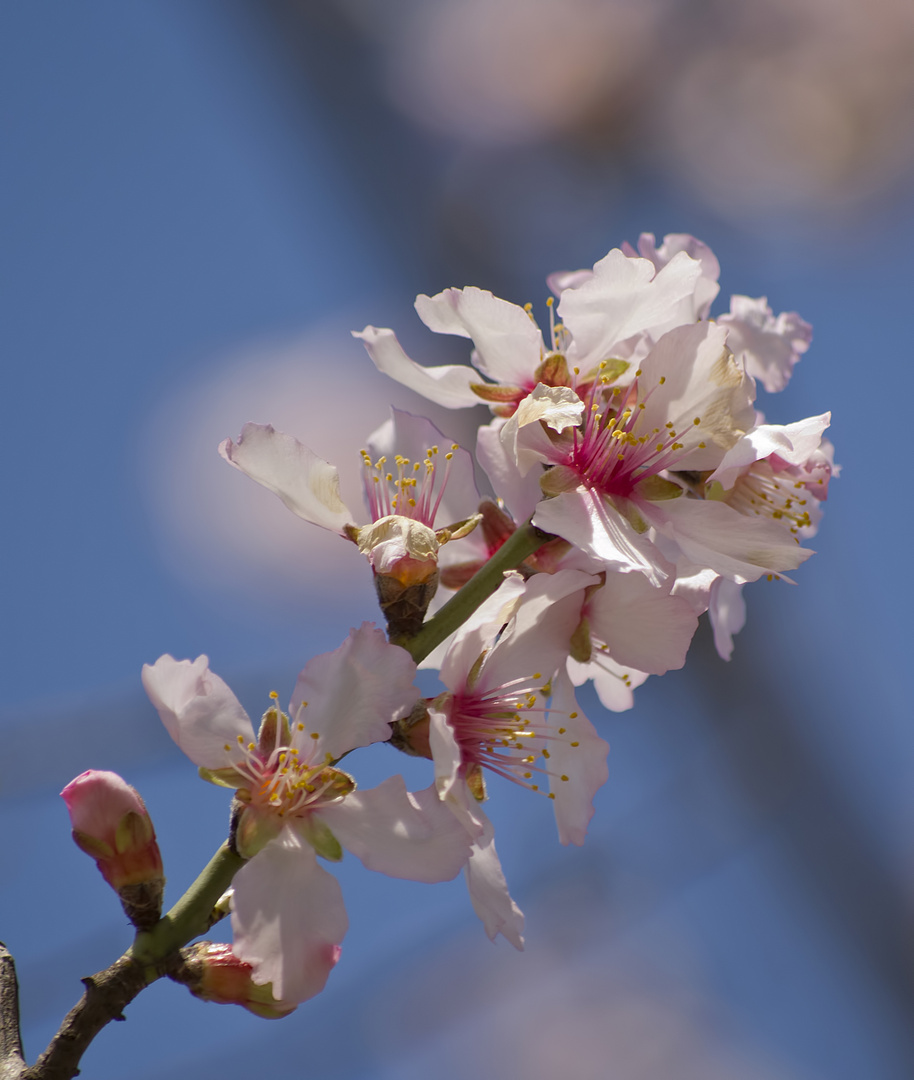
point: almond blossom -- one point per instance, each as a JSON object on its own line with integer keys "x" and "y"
{"x": 509, "y": 708}
{"x": 622, "y": 301}
{"x": 293, "y": 803}
{"x": 614, "y": 461}
{"x": 418, "y": 498}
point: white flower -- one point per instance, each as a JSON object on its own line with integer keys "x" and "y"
{"x": 288, "y": 917}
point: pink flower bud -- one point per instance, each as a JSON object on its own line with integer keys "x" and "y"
{"x": 212, "y": 972}
{"x": 110, "y": 823}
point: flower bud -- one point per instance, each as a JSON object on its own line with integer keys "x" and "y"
{"x": 111, "y": 824}
{"x": 212, "y": 972}
{"x": 404, "y": 558}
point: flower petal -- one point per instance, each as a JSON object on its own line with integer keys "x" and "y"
{"x": 353, "y": 694}
{"x": 643, "y": 625}
{"x": 307, "y": 484}
{"x": 713, "y": 535}
{"x": 624, "y": 297}
{"x": 509, "y": 345}
{"x": 727, "y": 611}
{"x": 399, "y": 833}
{"x": 447, "y": 385}
{"x": 583, "y": 518}
{"x": 288, "y": 918}
{"x": 487, "y": 886}
{"x": 577, "y": 764}
{"x": 200, "y": 712}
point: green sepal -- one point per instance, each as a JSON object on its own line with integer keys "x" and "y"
{"x": 228, "y": 777}
{"x": 311, "y": 828}
{"x": 658, "y": 488}
{"x": 581, "y": 646}
{"x": 553, "y": 371}
{"x": 133, "y": 831}
{"x": 495, "y": 392}
{"x": 255, "y": 830}
{"x": 558, "y": 479}
{"x": 98, "y": 849}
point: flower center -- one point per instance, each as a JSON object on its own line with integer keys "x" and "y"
{"x": 501, "y": 729}
{"x": 410, "y": 491}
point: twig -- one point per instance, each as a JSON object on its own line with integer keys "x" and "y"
{"x": 12, "y": 1062}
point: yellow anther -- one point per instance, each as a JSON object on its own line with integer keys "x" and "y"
{"x": 575, "y": 744}
{"x": 274, "y": 695}
{"x": 662, "y": 379}
{"x": 314, "y": 735}
{"x": 561, "y": 731}
{"x": 551, "y": 796}
{"x": 564, "y": 777}
{"x": 550, "y": 300}
{"x": 572, "y": 716}
{"x": 546, "y": 754}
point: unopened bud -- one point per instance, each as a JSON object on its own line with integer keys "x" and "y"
{"x": 110, "y": 823}
{"x": 212, "y": 972}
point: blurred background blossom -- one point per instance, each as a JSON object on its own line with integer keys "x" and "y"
{"x": 201, "y": 199}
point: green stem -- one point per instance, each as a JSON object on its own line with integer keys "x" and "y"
{"x": 189, "y": 917}
{"x": 519, "y": 546}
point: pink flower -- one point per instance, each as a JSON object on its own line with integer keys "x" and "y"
{"x": 293, "y": 803}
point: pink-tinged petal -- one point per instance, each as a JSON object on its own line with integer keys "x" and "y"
{"x": 584, "y": 519}
{"x": 614, "y": 684}
{"x": 413, "y": 437}
{"x": 561, "y": 280}
{"x": 706, "y": 288}
{"x": 737, "y": 547}
{"x": 537, "y": 639}
{"x": 288, "y": 918}
{"x": 577, "y": 764}
{"x": 692, "y": 376}
{"x": 447, "y": 758}
{"x": 97, "y": 801}
{"x": 794, "y": 443}
{"x": 200, "y": 712}
{"x": 509, "y": 345}
{"x": 399, "y": 833}
{"x": 307, "y": 484}
{"x": 769, "y": 346}
{"x": 727, "y": 611}
{"x": 448, "y": 385}
{"x": 526, "y": 441}
{"x": 623, "y": 298}
{"x": 520, "y": 493}
{"x": 644, "y": 626}
{"x": 353, "y": 693}
{"x": 487, "y": 886}
{"x": 484, "y": 624}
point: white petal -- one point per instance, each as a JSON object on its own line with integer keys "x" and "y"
{"x": 712, "y": 535}
{"x": 700, "y": 380}
{"x": 509, "y": 345}
{"x": 794, "y": 443}
{"x": 769, "y": 347}
{"x": 353, "y": 693}
{"x": 643, "y": 625}
{"x": 727, "y": 611}
{"x": 584, "y": 519}
{"x": 288, "y": 918}
{"x": 614, "y": 684}
{"x": 624, "y": 297}
{"x": 448, "y": 385}
{"x": 520, "y": 493}
{"x": 401, "y": 834}
{"x": 201, "y": 713}
{"x": 584, "y": 764}
{"x": 488, "y": 889}
{"x": 307, "y": 484}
